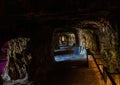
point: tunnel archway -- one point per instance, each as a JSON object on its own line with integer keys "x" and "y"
{"x": 101, "y": 35}
{"x": 67, "y": 52}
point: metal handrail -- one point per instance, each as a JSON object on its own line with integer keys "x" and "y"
{"x": 109, "y": 75}
{"x": 104, "y": 69}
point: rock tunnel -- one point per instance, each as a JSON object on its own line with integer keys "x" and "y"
{"x": 30, "y": 34}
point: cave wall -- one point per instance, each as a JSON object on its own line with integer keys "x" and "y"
{"x": 18, "y": 60}
{"x": 30, "y": 55}
{"x": 56, "y": 37}
{"x": 103, "y": 37}
{"x": 88, "y": 37}
{"x": 43, "y": 54}
{"x": 40, "y": 47}
{"x": 108, "y": 44}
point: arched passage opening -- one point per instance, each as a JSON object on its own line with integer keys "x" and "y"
{"x": 101, "y": 38}
{"x": 66, "y": 45}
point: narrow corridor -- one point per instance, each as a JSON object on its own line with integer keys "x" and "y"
{"x": 75, "y": 75}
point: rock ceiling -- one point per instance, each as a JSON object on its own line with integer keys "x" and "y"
{"x": 16, "y": 15}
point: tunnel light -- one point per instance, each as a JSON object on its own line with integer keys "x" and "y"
{"x": 63, "y": 38}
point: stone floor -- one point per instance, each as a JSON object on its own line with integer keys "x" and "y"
{"x": 76, "y": 75}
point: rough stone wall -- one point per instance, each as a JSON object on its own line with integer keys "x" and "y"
{"x": 108, "y": 45}
{"x": 108, "y": 42}
{"x": 87, "y": 37}
{"x": 18, "y": 60}
{"x": 42, "y": 54}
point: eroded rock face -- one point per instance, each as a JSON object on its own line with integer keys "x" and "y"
{"x": 88, "y": 37}
{"x": 107, "y": 43}
{"x": 18, "y": 61}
